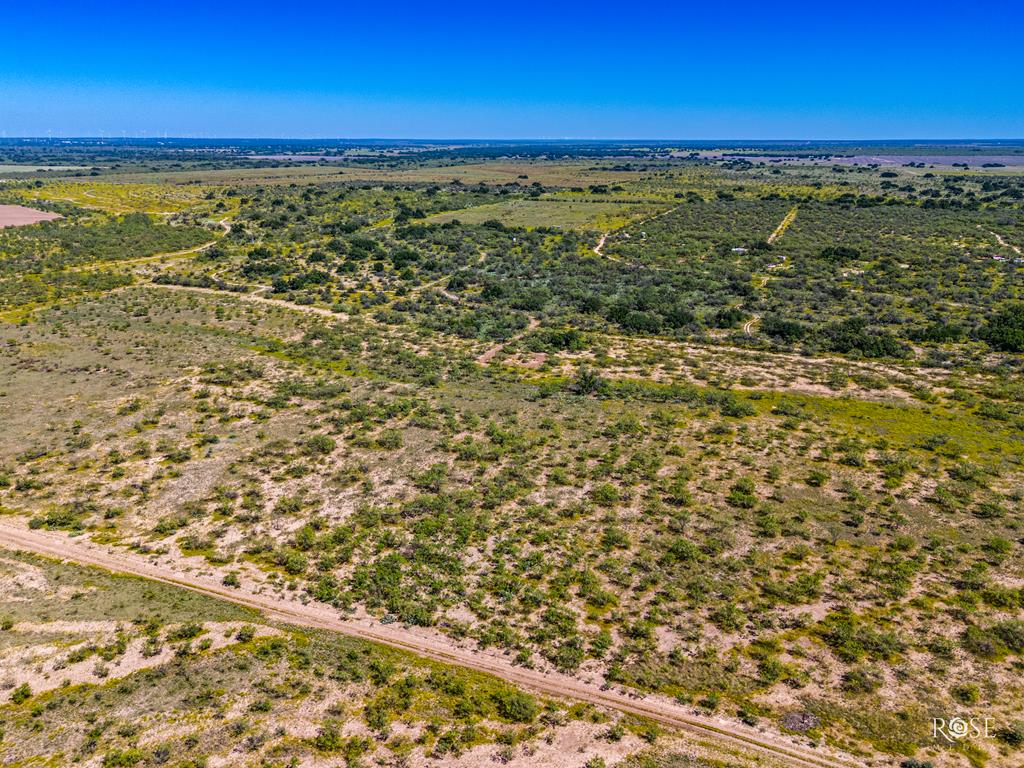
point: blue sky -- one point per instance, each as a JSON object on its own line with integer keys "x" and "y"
{"x": 517, "y": 70}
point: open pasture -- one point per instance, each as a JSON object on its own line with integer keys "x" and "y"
{"x": 557, "y": 213}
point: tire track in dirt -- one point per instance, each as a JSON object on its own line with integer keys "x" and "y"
{"x": 598, "y": 250}
{"x": 999, "y": 238}
{"x": 492, "y": 352}
{"x": 759, "y": 745}
{"x": 783, "y": 225}
{"x": 252, "y": 298}
{"x": 789, "y": 218}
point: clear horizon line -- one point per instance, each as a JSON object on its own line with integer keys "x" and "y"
{"x": 505, "y": 140}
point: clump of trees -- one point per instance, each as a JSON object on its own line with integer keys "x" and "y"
{"x": 1005, "y": 329}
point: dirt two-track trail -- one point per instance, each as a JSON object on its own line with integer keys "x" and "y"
{"x": 764, "y": 748}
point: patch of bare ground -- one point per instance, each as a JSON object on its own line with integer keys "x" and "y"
{"x": 20, "y": 216}
{"x": 532, "y": 360}
{"x": 50, "y": 664}
{"x": 570, "y": 746}
{"x": 256, "y": 299}
{"x": 492, "y": 352}
{"x": 665, "y": 360}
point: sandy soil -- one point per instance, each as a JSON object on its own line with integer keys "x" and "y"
{"x": 571, "y": 747}
{"x": 756, "y": 741}
{"x": 1005, "y": 244}
{"x": 308, "y": 309}
{"x": 44, "y": 666}
{"x": 19, "y": 216}
{"x": 783, "y": 226}
{"x": 493, "y": 352}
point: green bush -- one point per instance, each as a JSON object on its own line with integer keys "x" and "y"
{"x": 515, "y": 706}
{"x": 122, "y": 758}
{"x": 1005, "y": 329}
{"x": 21, "y": 694}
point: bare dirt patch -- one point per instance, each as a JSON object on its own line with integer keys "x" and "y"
{"x": 46, "y": 665}
{"x": 19, "y": 216}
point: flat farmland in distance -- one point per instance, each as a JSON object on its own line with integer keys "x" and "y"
{"x": 524, "y": 173}
{"x": 34, "y": 168}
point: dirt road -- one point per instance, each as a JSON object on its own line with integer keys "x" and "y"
{"x": 492, "y": 352}
{"x": 253, "y": 298}
{"x": 765, "y": 748}
{"x": 599, "y": 248}
{"x": 157, "y": 257}
{"x": 748, "y": 327}
{"x": 783, "y": 225}
{"x": 224, "y": 224}
{"x": 1004, "y": 244}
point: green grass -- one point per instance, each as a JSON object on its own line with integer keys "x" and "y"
{"x": 98, "y": 595}
{"x": 560, "y": 213}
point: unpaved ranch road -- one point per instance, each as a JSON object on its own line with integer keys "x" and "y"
{"x": 1002, "y": 242}
{"x": 766, "y": 748}
{"x": 783, "y": 225}
{"x": 252, "y": 298}
{"x": 491, "y": 352}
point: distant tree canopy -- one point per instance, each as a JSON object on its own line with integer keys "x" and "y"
{"x": 839, "y": 254}
{"x": 854, "y": 335}
{"x": 939, "y": 332}
{"x": 780, "y": 328}
{"x": 1005, "y": 329}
